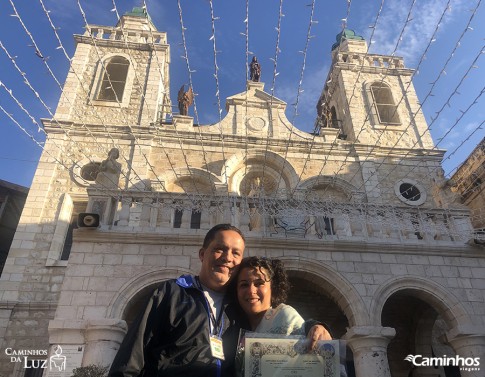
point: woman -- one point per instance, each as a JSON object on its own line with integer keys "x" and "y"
{"x": 262, "y": 287}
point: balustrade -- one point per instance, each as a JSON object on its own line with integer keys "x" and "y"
{"x": 273, "y": 217}
{"x": 116, "y": 34}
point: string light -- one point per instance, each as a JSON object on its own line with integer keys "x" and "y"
{"x": 327, "y": 96}
{"x": 270, "y": 110}
{"x": 441, "y": 72}
{"x": 81, "y": 82}
{"x": 299, "y": 89}
{"x": 275, "y": 74}
{"x": 151, "y": 167}
{"x": 191, "y": 85}
{"x": 216, "y": 77}
{"x": 407, "y": 89}
{"x": 454, "y": 92}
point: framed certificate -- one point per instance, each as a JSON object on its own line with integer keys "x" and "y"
{"x": 287, "y": 356}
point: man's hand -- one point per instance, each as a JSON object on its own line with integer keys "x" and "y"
{"x": 316, "y": 333}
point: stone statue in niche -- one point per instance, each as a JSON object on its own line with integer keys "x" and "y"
{"x": 255, "y": 218}
{"x": 109, "y": 171}
{"x": 254, "y": 70}
{"x": 443, "y": 193}
{"x": 185, "y": 99}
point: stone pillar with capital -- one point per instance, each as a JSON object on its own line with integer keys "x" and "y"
{"x": 100, "y": 339}
{"x": 369, "y": 346}
{"x": 103, "y": 338}
{"x": 469, "y": 342}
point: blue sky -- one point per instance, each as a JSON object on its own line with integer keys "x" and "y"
{"x": 434, "y": 36}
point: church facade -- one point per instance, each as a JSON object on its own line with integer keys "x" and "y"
{"x": 376, "y": 244}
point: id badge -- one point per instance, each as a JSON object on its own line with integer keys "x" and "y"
{"x": 216, "y": 347}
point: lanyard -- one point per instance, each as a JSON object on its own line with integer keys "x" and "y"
{"x": 214, "y": 322}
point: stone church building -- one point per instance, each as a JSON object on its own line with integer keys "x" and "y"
{"x": 375, "y": 242}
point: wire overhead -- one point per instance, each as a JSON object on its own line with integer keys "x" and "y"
{"x": 270, "y": 205}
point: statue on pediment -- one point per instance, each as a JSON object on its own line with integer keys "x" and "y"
{"x": 254, "y": 70}
{"x": 185, "y": 99}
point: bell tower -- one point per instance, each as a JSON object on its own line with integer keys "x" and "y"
{"x": 370, "y": 98}
{"x": 118, "y": 75}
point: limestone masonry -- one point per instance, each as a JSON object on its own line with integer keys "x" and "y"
{"x": 376, "y": 243}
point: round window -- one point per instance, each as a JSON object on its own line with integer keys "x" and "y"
{"x": 410, "y": 192}
{"x": 90, "y": 171}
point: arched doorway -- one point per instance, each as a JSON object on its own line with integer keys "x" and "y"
{"x": 420, "y": 330}
{"x": 138, "y": 303}
{"x": 313, "y": 301}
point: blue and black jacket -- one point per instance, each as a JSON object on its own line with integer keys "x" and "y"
{"x": 171, "y": 337}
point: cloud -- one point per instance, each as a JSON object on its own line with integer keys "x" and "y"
{"x": 470, "y": 127}
{"x": 421, "y": 25}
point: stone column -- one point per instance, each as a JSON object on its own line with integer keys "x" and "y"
{"x": 146, "y": 204}
{"x": 205, "y": 219}
{"x": 166, "y": 217}
{"x": 103, "y": 338}
{"x": 124, "y": 214}
{"x": 369, "y": 345}
{"x": 469, "y": 342}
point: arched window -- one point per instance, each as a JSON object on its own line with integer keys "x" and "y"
{"x": 114, "y": 79}
{"x": 384, "y": 103}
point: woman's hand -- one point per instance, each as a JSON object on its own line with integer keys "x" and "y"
{"x": 316, "y": 333}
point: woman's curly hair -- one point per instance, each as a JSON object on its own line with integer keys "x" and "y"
{"x": 274, "y": 271}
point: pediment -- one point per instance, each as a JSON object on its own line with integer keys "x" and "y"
{"x": 253, "y": 113}
{"x": 255, "y": 96}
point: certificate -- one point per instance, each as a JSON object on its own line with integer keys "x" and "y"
{"x": 287, "y": 357}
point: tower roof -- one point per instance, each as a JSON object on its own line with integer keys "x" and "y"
{"x": 346, "y": 34}
{"x": 139, "y": 12}
{"x": 137, "y": 18}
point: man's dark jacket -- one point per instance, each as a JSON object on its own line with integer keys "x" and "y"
{"x": 171, "y": 338}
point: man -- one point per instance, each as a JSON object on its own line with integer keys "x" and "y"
{"x": 189, "y": 327}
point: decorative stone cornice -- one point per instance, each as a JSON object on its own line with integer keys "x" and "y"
{"x": 260, "y": 241}
{"x": 31, "y": 305}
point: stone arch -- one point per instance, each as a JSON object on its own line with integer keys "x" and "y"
{"x": 138, "y": 286}
{"x": 444, "y": 302}
{"x": 421, "y": 311}
{"x": 340, "y": 290}
{"x": 270, "y": 160}
{"x": 341, "y": 184}
{"x": 205, "y": 179}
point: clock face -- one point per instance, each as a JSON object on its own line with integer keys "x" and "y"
{"x": 255, "y": 123}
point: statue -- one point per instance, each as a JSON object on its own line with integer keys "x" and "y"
{"x": 255, "y": 218}
{"x": 109, "y": 170}
{"x": 185, "y": 99}
{"x": 327, "y": 117}
{"x": 254, "y": 70}
{"x": 442, "y": 192}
